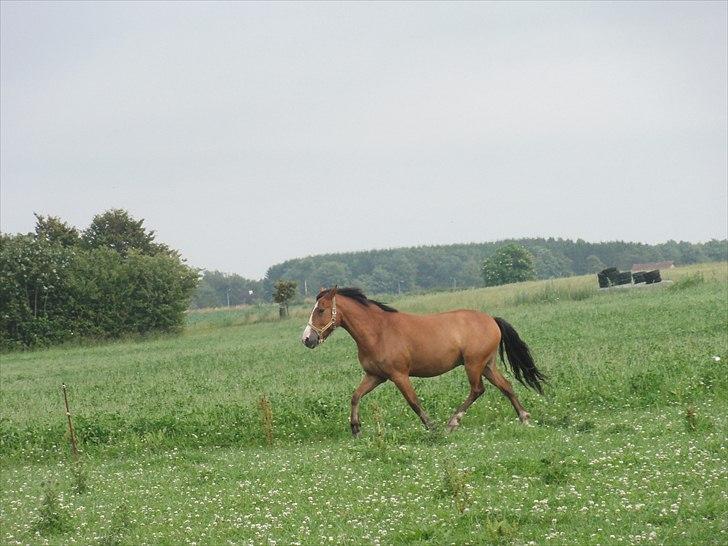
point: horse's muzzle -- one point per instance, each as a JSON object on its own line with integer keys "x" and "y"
{"x": 310, "y": 339}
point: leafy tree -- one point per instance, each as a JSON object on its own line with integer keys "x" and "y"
{"x": 594, "y": 264}
{"x": 117, "y": 230}
{"x": 284, "y": 292}
{"x": 510, "y": 263}
{"x": 54, "y": 230}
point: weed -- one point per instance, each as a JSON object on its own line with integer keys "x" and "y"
{"x": 118, "y": 527}
{"x": 80, "y": 478}
{"x": 498, "y": 530}
{"x": 695, "y": 422}
{"x": 552, "y": 472}
{"x": 585, "y": 426}
{"x": 380, "y": 438}
{"x": 691, "y": 420}
{"x": 52, "y": 518}
{"x": 455, "y": 485}
{"x": 93, "y": 430}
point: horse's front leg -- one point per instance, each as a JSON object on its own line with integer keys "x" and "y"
{"x": 368, "y": 383}
{"x": 405, "y": 387}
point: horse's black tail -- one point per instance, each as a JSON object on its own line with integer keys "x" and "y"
{"x": 519, "y": 357}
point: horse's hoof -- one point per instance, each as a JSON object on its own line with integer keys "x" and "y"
{"x": 434, "y": 430}
{"x": 356, "y": 430}
{"x": 526, "y": 420}
{"x": 455, "y": 421}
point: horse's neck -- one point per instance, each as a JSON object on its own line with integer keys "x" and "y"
{"x": 363, "y": 324}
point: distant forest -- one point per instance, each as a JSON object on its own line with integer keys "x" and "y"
{"x": 444, "y": 267}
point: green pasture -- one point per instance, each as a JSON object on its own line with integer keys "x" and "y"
{"x": 235, "y": 433}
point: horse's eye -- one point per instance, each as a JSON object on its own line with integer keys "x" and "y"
{"x": 321, "y": 311}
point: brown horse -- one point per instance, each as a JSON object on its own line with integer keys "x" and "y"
{"x": 396, "y": 346}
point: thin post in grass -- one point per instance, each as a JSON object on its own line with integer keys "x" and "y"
{"x": 71, "y": 431}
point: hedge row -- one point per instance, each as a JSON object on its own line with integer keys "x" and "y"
{"x": 50, "y": 293}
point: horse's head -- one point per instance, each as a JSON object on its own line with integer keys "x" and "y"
{"x": 323, "y": 320}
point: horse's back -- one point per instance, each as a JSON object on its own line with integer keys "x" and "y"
{"x": 461, "y": 321}
{"x": 439, "y": 342}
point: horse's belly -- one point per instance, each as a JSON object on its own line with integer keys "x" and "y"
{"x": 431, "y": 365}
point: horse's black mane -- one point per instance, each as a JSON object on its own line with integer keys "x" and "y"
{"x": 357, "y": 295}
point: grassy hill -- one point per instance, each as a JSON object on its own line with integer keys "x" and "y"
{"x": 629, "y": 443}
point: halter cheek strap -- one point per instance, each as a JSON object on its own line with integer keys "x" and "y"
{"x": 331, "y": 324}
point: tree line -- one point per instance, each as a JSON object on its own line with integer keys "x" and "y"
{"x": 113, "y": 278}
{"x": 445, "y": 267}
{"x": 109, "y": 280}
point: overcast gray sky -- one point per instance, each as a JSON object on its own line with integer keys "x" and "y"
{"x": 249, "y": 133}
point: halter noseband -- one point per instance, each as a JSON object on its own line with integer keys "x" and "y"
{"x": 332, "y": 322}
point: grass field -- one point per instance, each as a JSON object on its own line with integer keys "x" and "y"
{"x": 234, "y": 433}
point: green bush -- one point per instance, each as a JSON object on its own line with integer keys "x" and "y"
{"x": 52, "y": 291}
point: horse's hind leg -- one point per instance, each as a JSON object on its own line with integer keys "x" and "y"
{"x": 492, "y": 374}
{"x": 476, "y": 389}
